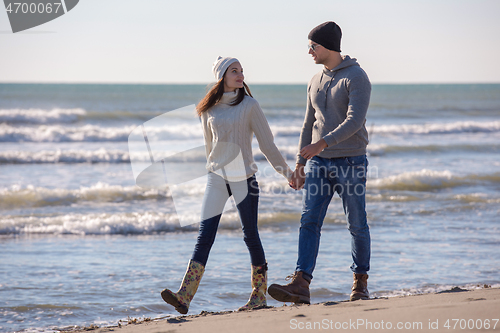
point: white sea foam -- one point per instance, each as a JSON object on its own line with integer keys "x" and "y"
{"x": 286, "y": 130}
{"x": 144, "y": 223}
{"x": 288, "y": 152}
{"x": 92, "y": 224}
{"x": 398, "y": 129}
{"x": 58, "y": 133}
{"x": 417, "y": 181}
{"x": 439, "y": 128}
{"x": 30, "y": 196}
{"x": 101, "y": 155}
{"x": 428, "y": 180}
{"x": 473, "y": 198}
{"x": 421, "y": 180}
{"x": 383, "y": 149}
{"x": 104, "y": 155}
{"x": 15, "y": 196}
{"x": 121, "y": 223}
{"x": 39, "y": 116}
{"x": 429, "y": 289}
{"x": 92, "y": 133}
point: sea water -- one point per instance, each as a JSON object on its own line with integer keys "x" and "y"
{"x": 82, "y": 244}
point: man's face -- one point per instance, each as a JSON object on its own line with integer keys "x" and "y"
{"x": 318, "y": 52}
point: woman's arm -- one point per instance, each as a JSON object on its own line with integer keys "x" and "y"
{"x": 207, "y": 133}
{"x": 260, "y": 127}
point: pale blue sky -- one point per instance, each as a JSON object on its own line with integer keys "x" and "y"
{"x": 161, "y": 41}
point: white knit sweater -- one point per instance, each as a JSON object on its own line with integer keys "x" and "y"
{"x": 228, "y": 132}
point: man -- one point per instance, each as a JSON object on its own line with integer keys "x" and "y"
{"x": 333, "y": 141}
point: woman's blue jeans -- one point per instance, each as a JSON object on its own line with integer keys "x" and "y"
{"x": 216, "y": 195}
{"x": 324, "y": 177}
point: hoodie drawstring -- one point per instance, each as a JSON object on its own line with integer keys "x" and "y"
{"x": 329, "y": 84}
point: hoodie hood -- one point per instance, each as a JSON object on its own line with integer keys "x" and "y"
{"x": 346, "y": 62}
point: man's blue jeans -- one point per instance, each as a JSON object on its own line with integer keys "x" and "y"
{"x": 324, "y": 177}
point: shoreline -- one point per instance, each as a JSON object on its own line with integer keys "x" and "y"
{"x": 451, "y": 311}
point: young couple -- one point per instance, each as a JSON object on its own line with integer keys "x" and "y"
{"x": 333, "y": 138}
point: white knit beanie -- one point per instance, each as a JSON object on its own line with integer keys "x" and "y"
{"x": 220, "y": 66}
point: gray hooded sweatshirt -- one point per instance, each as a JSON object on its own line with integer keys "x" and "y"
{"x": 337, "y": 102}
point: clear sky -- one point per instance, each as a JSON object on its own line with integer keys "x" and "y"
{"x": 163, "y": 41}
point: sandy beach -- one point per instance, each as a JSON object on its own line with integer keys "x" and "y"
{"x": 451, "y": 311}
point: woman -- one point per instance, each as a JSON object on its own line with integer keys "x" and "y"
{"x": 230, "y": 117}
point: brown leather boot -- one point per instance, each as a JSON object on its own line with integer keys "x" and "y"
{"x": 360, "y": 287}
{"x": 296, "y": 291}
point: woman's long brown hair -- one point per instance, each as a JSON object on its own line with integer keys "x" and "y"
{"x": 215, "y": 95}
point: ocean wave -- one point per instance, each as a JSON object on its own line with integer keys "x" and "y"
{"x": 92, "y": 224}
{"x": 68, "y": 116}
{"x": 92, "y": 133}
{"x": 427, "y": 128}
{"x": 288, "y": 152}
{"x": 20, "y": 197}
{"x": 423, "y": 180}
{"x": 428, "y": 180}
{"x": 101, "y": 155}
{"x": 104, "y": 155}
{"x": 144, "y": 223}
{"x": 473, "y": 198}
{"x": 431, "y": 288}
{"x": 15, "y": 197}
{"x": 39, "y": 116}
{"x": 31, "y": 196}
{"x": 383, "y": 149}
{"x": 57, "y": 133}
{"x": 392, "y": 197}
{"x": 437, "y": 128}
{"x": 286, "y": 131}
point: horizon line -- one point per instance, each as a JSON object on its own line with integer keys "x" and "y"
{"x": 254, "y": 83}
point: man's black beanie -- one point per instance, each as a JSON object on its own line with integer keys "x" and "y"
{"x": 328, "y": 35}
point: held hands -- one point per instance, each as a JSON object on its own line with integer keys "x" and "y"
{"x": 314, "y": 149}
{"x": 308, "y": 152}
{"x": 298, "y": 177}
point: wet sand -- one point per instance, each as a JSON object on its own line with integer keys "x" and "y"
{"x": 456, "y": 310}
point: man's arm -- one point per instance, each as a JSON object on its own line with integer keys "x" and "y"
{"x": 306, "y": 132}
{"x": 298, "y": 177}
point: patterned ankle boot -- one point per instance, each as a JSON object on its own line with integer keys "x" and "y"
{"x": 259, "y": 285}
{"x": 181, "y": 299}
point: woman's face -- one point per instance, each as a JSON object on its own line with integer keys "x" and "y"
{"x": 234, "y": 77}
